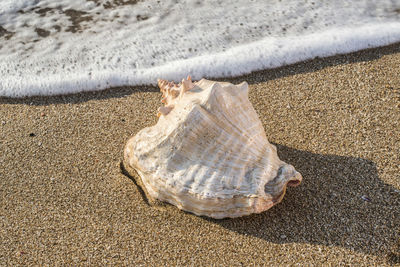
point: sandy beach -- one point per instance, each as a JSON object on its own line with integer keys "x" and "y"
{"x": 64, "y": 200}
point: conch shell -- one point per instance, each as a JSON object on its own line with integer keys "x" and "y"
{"x": 208, "y": 153}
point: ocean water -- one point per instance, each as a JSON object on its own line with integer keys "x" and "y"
{"x": 52, "y": 47}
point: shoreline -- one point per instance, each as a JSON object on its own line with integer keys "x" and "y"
{"x": 336, "y": 120}
{"x": 253, "y": 77}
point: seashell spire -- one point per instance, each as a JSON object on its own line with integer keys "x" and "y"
{"x": 208, "y": 153}
{"x": 171, "y": 92}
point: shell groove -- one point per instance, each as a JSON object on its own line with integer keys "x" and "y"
{"x": 208, "y": 153}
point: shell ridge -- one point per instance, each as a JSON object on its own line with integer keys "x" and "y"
{"x": 239, "y": 131}
{"x": 222, "y": 161}
{"x": 226, "y": 125}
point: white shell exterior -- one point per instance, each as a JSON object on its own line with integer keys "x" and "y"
{"x": 208, "y": 153}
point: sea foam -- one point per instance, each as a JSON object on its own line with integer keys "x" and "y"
{"x": 56, "y": 47}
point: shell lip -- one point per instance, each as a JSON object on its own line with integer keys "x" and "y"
{"x": 294, "y": 183}
{"x": 295, "y": 180}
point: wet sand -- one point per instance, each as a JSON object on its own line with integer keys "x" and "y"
{"x": 64, "y": 200}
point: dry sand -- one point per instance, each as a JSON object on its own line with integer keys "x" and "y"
{"x": 337, "y": 120}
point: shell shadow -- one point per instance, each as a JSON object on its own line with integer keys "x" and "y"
{"x": 341, "y": 202}
{"x": 137, "y": 182}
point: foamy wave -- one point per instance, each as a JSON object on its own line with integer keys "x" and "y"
{"x": 74, "y": 46}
